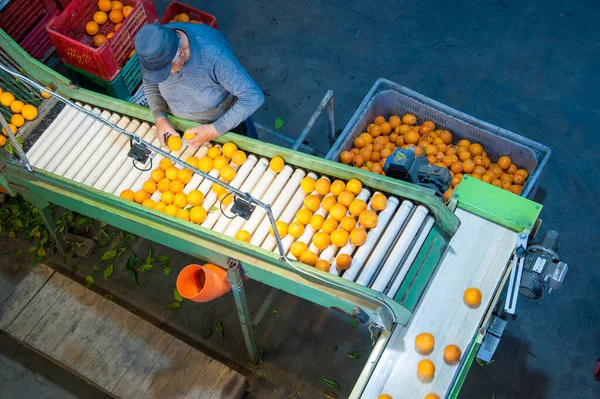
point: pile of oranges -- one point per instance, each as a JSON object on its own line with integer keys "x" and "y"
{"x": 113, "y": 11}
{"x": 183, "y": 17}
{"x": 382, "y": 137}
{"x": 21, "y": 113}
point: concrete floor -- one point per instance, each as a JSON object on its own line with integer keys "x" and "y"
{"x": 525, "y": 67}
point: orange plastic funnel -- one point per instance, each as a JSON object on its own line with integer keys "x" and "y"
{"x": 202, "y": 283}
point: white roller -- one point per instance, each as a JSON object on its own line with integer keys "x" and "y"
{"x": 250, "y": 182}
{"x": 237, "y": 181}
{"x": 52, "y": 148}
{"x": 291, "y": 189}
{"x": 196, "y": 178}
{"x": 134, "y": 175}
{"x": 111, "y": 152}
{"x": 407, "y": 263}
{"x": 206, "y": 185}
{"x": 94, "y": 153}
{"x": 400, "y": 248}
{"x": 56, "y": 127}
{"x": 120, "y": 165}
{"x": 83, "y": 142}
{"x": 378, "y": 252}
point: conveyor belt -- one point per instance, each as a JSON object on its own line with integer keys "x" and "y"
{"x": 80, "y": 148}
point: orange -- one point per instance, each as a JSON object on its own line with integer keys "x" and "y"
{"x": 472, "y": 297}
{"x": 205, "y": 164}
{"x": 321, "y": 240}
{"x": 468, "y": 166}
{"x": 171, "y": 173}
{"x": 220, "y": 162}
{"x": 160, "y": 206}
{"x": 395, "y": 121}
{"x": 446, "y": 137}
{"x": 163, "y": 185}
{"x": 505, "y": 185}
{"x": 197, "y": 214}
{"x": 218, "y": 189}
{"x": 497, "y": 170}
{"x": 464, "y": 155}
{"x": 29, "y": 112}
{"x": 431, "y": 396}
{"x": 296, "y": 229}
{"x": 518, "y": 179}
{"x": 359, "y": 142}
{"x": 328, "y": 202}
{"x": 354, "y": 186}
{"x": 504, "y": 162}
{"x": 480, "y": 170}
{"x": 358, "y": 236}
{"x": 424, "y": 343}
{"x": 116, "y": 16}
{"x": 475, "y": 149}
{"x": 167, "y": 197}
{"x": 127, "y": 194}
{"x": 214, "y": 152}
{"x": 409, "y": 119}
{"x": 192, "y": 161}
{"x": 117, "y": 26}
{"x": 229, "y": 149}
{"x": 379, "y": 202}
{"x": 343, "y": 261}
{"x": 17, "y": 106}
{"x": 495, "y": 182}
{"x": 227, "y": 173}
{"x": 316, "y": 221}
{"x": 149, "y": 186}
{"x": 171, "y": 210}
{"x": 165, "y": 163}
{"x": 511, "y": 169}
{"x": 225, "y": 197}
{"x": 358, "y": 160}
{"x": 238, "y": 157}
{"x": 452, "y": 354}
{"x": 426, "y": 369}
{"x": 348, "y": 223}
{"x": 140, "y": 196}
{"x": 346, "y": 157}
{"x": 523, "y": 173}
{"x": 346, "y": 198}
{"x": 184, "y": 175}
{"x": 183, "y": 17}
{"x": 329, "y": 225}
{"x": 429, "y": 124}
{"x": 195, "y": 198}
{"x": 322, "y": 186}
{"x": 105, "y": 5}
{"x": 277, "y": 164}
{"x": 339, "y": 237}
{"x": 375, "y": 131}
{"x": 379, "y": 120}
{"x": 368, "y": 219}
{"x": 312, "y": 203}
{"x": 176, "y": 186}
{"x": 243, "y": 235}
{"x": 298, "y": 248}
{"x": 282, "y": 229}
{"x": 516, "y": 189}
{"x": 411, "y": 137}
{"x": 116, "y": 5}
{"x": 448, "y": 194}
{"x": 309, "y": 258}
{"x": 180, "y": 200}
{"x": 12, "y": 128}
{"x": 357, "y": 207}
{"x": 506, "y": 178}
{"x": 386, "y": 128}
{"x": 303, "y": 216}
{"x": 322, "y": 265}
{"x": 367, "y": 138}
{"x": 157, "y": 175}
{"x": 384, "y": 396}
{"x": 17, "y": 120}
{"x": 308, "y": 185}
{"x": 338, "y": 212}
{"x": 182, "y": 214}
{"x": 174, "y": 143}
{"x": 127, "y": 10}
{"x": 2, "y": 142}
{"x": 100, "y": 17}
{"x": 7, "y": 99}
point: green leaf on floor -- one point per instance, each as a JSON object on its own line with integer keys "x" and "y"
{"x": 149, "y": 259}
{"x": 95, "y": 267}
{"x": 131, "y": 262}
{"x": 353, "y": 322}
{"x": 108, "y": 271}
{"x": 110, "y": 254}
{"x": 109, "y": 297}
{"x": 167, "y": 271}
{"x": 174, "y": 305}
{"x": 32, "y": 249}
{"x": 41, "y": 251}
{"x": 330, "y": 395}
{"x": 274, "y": 311}
{"x": 335, "y": 348}
{"x": 354, "y": 355}
{"x": 37, "y": 260}
{"x": 19, "y": 252}
{"x": 262, "y": 376}
{"x": 332, "y": 384}
{"x": 219, "y": 328}
{"x": 34, "y": 231}
{"x": 120, "y": 251}
{"x": 278, "y": 123}
{"x": 126, "y": 236}
{"x": 89, "y": 280}
{"x": 163, "y": 259}
{"x": 177, "y": 295}
{"x": 145, "y": 268}
{"x": 260, "y": 355}
{"x": 133, "y": 277}
{"x": 74, "y": 268}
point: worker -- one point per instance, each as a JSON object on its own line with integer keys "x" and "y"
{"x": 190, "y": 71}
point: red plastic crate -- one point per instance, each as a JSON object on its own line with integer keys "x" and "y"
{"x": 74, "y": 45}
{"x": 37, "y": 42}
{"x": 62, "y": 4}
{"x": 18, "y": 16}
{"x": 177, "y": 8}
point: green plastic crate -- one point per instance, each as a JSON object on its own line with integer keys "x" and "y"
{"x": 122, "y": 86}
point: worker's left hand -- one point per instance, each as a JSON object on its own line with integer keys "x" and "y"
{"x": 204, "y": 133}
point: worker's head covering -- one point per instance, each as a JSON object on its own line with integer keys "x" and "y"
{"x": 156, "y": 47}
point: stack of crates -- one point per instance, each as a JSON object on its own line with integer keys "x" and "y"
{"x": 112, "y": 68}
{"x": 25, "y": 22}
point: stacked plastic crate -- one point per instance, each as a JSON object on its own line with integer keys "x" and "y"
{"x": 25, "y": 21}
{"x": 112, "y": 67}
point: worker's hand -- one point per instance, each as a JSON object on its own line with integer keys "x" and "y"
{"x": 204, "y": 134}
{"x": 164, "y": 128}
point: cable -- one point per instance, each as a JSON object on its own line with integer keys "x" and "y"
{"x": 140, "y": 169}
{"x": 221, "y": 206}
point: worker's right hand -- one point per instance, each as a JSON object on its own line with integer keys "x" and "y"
{"x": 163, "y": 129}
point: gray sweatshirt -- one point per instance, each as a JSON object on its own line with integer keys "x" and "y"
{"x": 212, "y": 87}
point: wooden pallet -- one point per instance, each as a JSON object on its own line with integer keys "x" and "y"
{"x": 109, "y": 346}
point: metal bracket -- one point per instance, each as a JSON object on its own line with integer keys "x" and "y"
{"x": 326, "y": 101}
{"x": 515, "y": 274}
